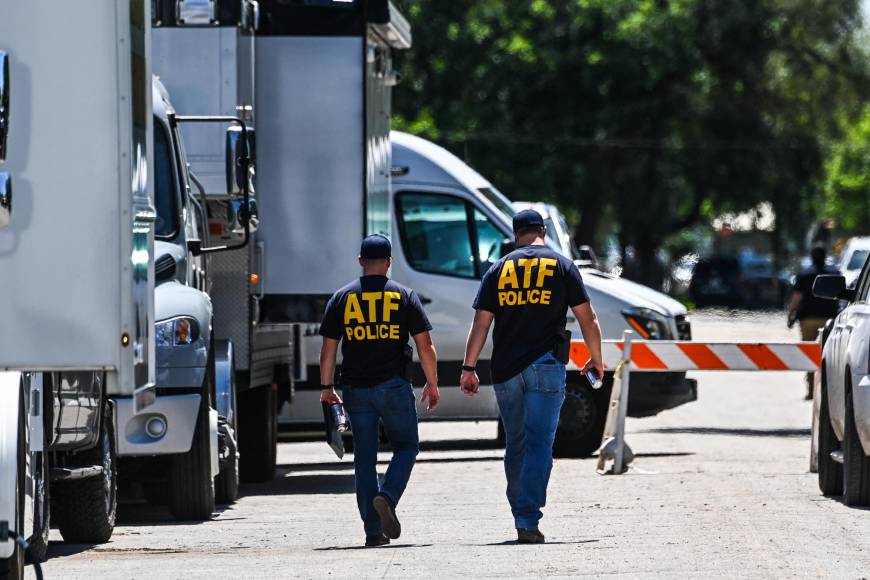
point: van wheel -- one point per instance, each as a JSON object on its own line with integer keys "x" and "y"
{"x": 258, "y": 433}
{"x": 830, "y": 472}
{"x": 856, "y": 465}
{"x": 85, "y": 509}
{"x": 38, "y": 550}
{"x": 581, "y": 421}
{"x": 191, "y": 485}
{"x": 12, "y": 568}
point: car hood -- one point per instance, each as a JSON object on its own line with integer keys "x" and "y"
{"x": 631, "y": 293}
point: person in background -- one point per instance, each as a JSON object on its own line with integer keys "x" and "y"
{"x": 528, "y": 293}
{"x": 373, "y": 317}
{"x": 809, "y": 312}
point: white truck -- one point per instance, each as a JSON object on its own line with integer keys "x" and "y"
{"x": 76, "y": 252}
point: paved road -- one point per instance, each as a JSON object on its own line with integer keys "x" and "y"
{"x": 720, "y": 489}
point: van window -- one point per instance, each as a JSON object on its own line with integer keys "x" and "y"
{"x": 500, "y": 202}
{"x": 435, "y": 234}
{"x": 165, "y": 198}
{"x": 489, "y": 241}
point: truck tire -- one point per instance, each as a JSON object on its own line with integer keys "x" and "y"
{"x": 581, "y": 422}
{"x": 12, "y": 568}
{"x": 258, "y": 434}
{"x": 226, "y": 484}
{"x": 830, "y": 472}
{"x": 856, "y": 465}
{"x": 85, "y": 509}
{"x": 191, "y": 485}
{"x": 38, "y": 551}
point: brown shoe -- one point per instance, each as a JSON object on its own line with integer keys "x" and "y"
{"x": 530, "y": 536}
{"x": 389, "y": 522}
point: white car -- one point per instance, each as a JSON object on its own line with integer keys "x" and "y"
{"x": 852, "y": 258}
{"x": 843, "y": 421}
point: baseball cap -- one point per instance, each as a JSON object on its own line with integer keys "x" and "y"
{"x": 375, "y": 247}
{"x": 528, "y": 218}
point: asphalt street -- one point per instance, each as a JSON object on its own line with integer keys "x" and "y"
{"x": 720, "y": 488}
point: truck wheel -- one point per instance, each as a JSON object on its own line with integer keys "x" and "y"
{"x": 85, "y": 508}
{"x": 226, "y": 484}
{"x": 191, "y": 485}
{"x": 38, "y": 550}
{"x": 830, "y": 472}
{"x": 258, "y": 434}
{"x": 12, "y": 568}
{"x": 581, "y": 422}
{"x": 856, "y": 465}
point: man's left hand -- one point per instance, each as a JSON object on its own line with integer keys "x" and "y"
{"x": 432, "y": 394}
{"x": 330, "y": 397}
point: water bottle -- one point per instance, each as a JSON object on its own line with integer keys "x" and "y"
{"x": 339, "y": 417}
{"x": 594, "y": 379}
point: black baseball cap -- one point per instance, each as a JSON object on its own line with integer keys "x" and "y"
{"x": 375, "y": 247}
{"x": 528, "y": 218}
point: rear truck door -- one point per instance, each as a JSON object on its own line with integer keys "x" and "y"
{"x": 76, "y": 252}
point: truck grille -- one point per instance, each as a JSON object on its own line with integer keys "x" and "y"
{"x": 684, "y": 328}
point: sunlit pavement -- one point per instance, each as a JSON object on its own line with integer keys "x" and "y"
{"x": 720, "y": 488}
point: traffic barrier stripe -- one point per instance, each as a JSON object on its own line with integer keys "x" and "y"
{"x": 677, "y": 356}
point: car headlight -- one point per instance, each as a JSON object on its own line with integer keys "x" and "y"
{"x": 650, "y": 324}
{"x": 176, "y": 332}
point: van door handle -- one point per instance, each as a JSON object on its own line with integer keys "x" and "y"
{"x": 424, "y": 300}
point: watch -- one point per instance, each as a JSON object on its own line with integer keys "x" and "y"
{"x": 468, "y": 368}
{"x": 327, "y": 387}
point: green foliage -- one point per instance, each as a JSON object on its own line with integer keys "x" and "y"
{"x": 655, "y": 112}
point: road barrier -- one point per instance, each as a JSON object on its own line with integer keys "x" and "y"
{"x": 629, "y": 355}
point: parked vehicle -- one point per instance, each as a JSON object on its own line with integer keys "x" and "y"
{"x": 78, "y": 310}
{"x": 843, "y": 421}
{"x": 557, "y": 226}
{"x": 746, "y": 281}
{"x": 853, "y": 257}
{"x": 205, "y": 53}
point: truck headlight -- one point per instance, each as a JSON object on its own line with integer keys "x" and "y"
{"x": 176, "y": 332}
{"x": 650, "y": 324}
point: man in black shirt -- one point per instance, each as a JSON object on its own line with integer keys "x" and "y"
{"x": 811, "y": 312}
{"x": 373, "y": 317}
{"x": 528, "y": 293}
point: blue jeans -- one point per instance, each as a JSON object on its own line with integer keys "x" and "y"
{"x": 529, "y": 404}
{"x": 393, "y": 403}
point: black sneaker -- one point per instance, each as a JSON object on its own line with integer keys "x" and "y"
{"x": 377, "y": 540}
{"x": 387, "y": 512}
{"x": 530, "y": 536}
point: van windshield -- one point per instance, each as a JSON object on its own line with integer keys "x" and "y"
{"x": 500, "y": 202}
{"x": 165, "y": 199}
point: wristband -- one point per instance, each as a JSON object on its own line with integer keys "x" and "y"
{"x": 327, "y": 387}
{"x": 468, "y": 368}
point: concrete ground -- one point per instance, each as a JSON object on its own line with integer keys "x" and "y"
{"x": 720, "y": 488}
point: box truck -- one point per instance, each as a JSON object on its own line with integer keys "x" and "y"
{"x": 76, "y": 256}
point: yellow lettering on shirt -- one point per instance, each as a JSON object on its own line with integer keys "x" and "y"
{"x": 545, "y": 296}
{"x": 545, "y": 269}
{"x": 352, "y": 310}
{"x": 527, "y": 264}
{"x": 508, "y": 276}
{"x": 534, "y": 296}
{"x": 371, "y": 298}
{"x": 391, "y": 304}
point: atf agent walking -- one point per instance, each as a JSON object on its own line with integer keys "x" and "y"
{"x": 528, "y": 293}
{"x": 373, "y": 317}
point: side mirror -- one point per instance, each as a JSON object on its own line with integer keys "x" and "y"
{"x": 507, "y": 246}
{"x": 832, "y": 287}
{"x": 236, "y": 155}
{"x": 588, "y": 257}
{"x": 4, "y": 103}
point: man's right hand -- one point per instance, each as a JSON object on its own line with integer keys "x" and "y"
{"x": 330, "y": 397}
{"x": 469, "y": 383}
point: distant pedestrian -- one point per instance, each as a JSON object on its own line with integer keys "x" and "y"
{"x": 528, "y": 293}
{"x": 373, "y": 317}
{"x": 810, "y": 312}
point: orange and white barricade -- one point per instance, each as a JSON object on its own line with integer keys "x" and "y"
{"x": 628, "y": 355}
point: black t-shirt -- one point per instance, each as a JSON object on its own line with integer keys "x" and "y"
{"x": 810, "y": 306}
{"x": 529, "y": 291}
{"x": 373, "y": 317}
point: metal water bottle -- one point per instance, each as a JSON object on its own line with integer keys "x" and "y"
{"x": 340, "y": 418}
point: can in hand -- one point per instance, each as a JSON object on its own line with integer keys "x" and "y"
{"x": 594, "y": 379}
{"x": 340, "y": 418}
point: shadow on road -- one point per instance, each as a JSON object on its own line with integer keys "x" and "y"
{"x": 142, "y": 513}
{"x": 62, "y": 549}
{"x": 387, "y": 547}
{"x": 736, "y": 431}
{"x": 516, "y": 543}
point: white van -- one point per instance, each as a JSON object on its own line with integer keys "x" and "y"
{"x": 450, "y": 225}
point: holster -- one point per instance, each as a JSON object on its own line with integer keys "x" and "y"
{"x": 562, "y": 348}
{"x": 408, "y": 363}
